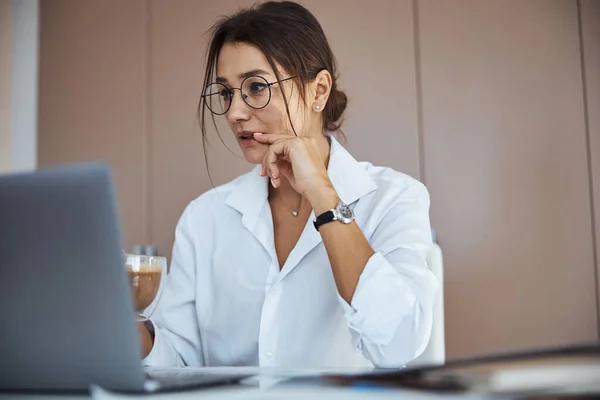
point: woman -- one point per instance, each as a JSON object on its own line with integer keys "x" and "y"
{"x": 312, "y": 259}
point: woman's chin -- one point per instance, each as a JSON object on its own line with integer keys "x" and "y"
{"x": 254, "y": 155}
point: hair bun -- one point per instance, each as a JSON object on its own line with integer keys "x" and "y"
{"x": 335, "y": 109}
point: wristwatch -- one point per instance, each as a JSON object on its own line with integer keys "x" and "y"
{"x": 150, "y": 327}
{"x": 342, "y": 212}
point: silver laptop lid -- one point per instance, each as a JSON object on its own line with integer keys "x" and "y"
{"x": 66, "y": 319}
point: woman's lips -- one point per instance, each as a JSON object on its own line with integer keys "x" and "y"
{"x": 246, "y": 138}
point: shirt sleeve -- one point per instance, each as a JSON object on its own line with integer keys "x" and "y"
{"x": 177, "y": 337}
{"x": 391, "y": 313}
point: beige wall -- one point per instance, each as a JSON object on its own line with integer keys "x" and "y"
{"x": 505, "y": 156}
{"x": 590, "y": 24}
{"x": 5, "y": 82}
{"x": 93, "y": 94}
{"x": 490, "y": 117}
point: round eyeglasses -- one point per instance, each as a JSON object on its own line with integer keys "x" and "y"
{"x": 255, "y": 91}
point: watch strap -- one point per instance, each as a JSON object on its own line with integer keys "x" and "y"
{"x": 324, "y": 218}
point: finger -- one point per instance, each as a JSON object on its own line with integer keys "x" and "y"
{"x": 264, "y": 171}
{"x": 272, "y": 171}
{"x": 270, "y": 138}
{"x": 270, "y": 161}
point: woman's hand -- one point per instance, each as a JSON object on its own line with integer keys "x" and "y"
{"x": 298, "y": 159}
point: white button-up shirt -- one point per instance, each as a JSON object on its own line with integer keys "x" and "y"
{"x": 226, "y": 301}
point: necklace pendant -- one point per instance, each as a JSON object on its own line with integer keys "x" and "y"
{"x": 295, "y": 213}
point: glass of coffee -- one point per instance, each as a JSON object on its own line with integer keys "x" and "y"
{"x": 147, "y": 275}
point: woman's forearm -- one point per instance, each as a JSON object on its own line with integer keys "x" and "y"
{"x": 347, "y": 248}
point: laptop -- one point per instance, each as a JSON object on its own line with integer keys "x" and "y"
{"x": 571, "y": 371}
{"x": 66, "y": 314}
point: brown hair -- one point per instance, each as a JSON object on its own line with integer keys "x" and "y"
{"x": 289, "y": 35}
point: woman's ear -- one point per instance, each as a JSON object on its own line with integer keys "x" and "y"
{"x": 322, "y": 89}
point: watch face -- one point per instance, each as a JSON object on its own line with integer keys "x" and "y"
{"x": 346, "y": 213}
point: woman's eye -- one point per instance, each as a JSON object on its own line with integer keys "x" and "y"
{"x": 225, "y": 94}
{"x": 257, "y": 87}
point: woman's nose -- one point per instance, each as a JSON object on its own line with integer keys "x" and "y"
{"x": 239, "y": 110}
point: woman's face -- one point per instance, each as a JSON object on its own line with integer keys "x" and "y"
{"x": 236, "y": 62}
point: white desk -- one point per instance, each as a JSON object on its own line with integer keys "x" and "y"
{"x": 264, "y": 384}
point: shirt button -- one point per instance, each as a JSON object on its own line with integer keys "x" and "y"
{"x": 268, "y": 354}
{"x": 273, "y": 291}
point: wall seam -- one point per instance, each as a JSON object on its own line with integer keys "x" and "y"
{"x": 418, "y": 91}
{"x": 146, "y": 126}
{"x": 589, "y": 162}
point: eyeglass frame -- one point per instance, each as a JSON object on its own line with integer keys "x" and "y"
{"x": 269, "y": 84}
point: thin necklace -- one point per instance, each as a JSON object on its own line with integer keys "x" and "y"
{"x": 294, "y": 212}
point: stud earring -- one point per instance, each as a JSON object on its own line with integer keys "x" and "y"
{"x": 317, "y": 108}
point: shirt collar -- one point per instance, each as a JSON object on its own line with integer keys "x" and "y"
{"x": 350, "y": 180}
